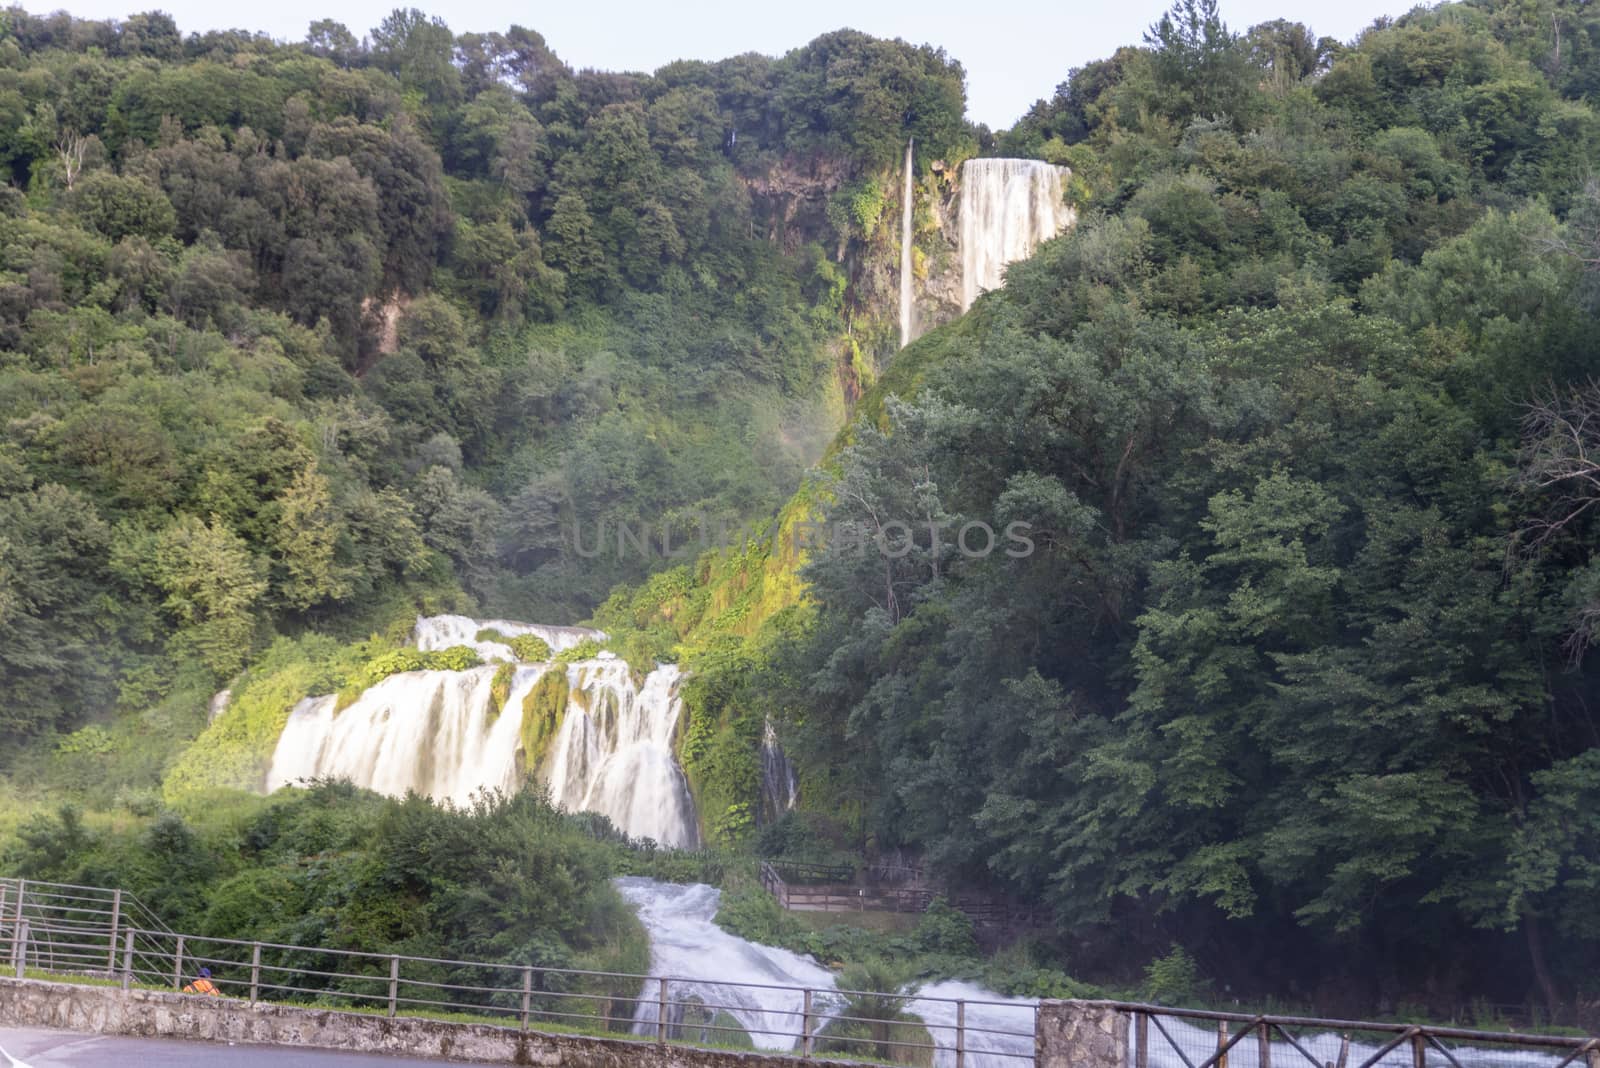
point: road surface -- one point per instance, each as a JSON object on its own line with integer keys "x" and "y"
{"x": 22, "y": 1047}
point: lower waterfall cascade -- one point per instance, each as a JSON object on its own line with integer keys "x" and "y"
{"x": 437, "y": 733}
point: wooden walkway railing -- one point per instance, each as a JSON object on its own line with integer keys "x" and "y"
{"x": 843, "y": 897}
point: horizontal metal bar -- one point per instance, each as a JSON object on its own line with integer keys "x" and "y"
{"x": 1314, "y": 1023}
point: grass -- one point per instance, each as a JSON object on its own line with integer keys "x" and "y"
{"x": 877, "y": 922}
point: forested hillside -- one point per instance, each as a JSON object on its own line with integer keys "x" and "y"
{"x": 312, "y": 336}
{"x": 1298, "y": 671}
{"x": 1294, "y": 678}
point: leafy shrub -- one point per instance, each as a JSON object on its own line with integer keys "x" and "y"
{"x": 945, "y": 929}
{"x": 396, "y": 661}
{"x": 587, "y": 649}
{"x": 755, "y": 915}
{"x": 1173, "y": 978}
{"x": 530, "y": 648}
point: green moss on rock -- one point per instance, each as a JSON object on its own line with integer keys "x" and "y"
{"x": 543, "y": 710}
{"x": 500, "y": 689}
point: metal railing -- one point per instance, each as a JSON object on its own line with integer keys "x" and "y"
{"x": 108, "y": 935}
{"x": 63, "y": 928}
{"x": 1164, "y": 1037}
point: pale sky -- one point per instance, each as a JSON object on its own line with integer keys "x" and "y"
{"x": 1014, "y": 53}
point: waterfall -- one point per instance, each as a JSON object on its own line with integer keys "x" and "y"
{"x": 905, "y": 253}
{"x": 437, "y": 733}
{"x": 779, "y": 787}
{"x": 1008, "y": 207}
{"x": 702, "y": 958}
{"x": 442, "y": 632}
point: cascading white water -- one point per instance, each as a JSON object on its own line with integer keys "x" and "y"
{"x": 905, "y": 253}
{"x": 443, "y": 632}
{"x": 436, "y": 732}
{"x": 702, "y": 959}
{"x": 615, "y": 755}
{"x": 1008, "y": 207}
{"x": 780, "y": 788}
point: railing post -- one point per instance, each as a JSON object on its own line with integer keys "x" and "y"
{"x": 255, "y": 972}
{"x": 1419, "y": 1049}
{"x": 805, "y": 1025}
{"x": 177, "y": 966}
{"x": 19, "y": 946}
{"x": 127, "y": 960}
{"x": 527, "y": 994}
{"x": 1264, "y": 1045}
{"x": 1141, "y": 1040}
{"x": 661, "y": 1012}
{"x": 116, "y": 921}
{"x": 1222, "y": 1041}
{"x": 1344, "y": 1050}
{"x": 394, "y": 985}
{"x": 961, "y": 1034}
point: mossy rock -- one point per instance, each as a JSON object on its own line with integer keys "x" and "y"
{"x": 543, "y": 711}
{"x": 500, "y": 689}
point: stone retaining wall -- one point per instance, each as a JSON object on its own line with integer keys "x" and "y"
{"x": 1080, "y": 1034}
{"x": 1071, "y": 1034}
{"x": 150, "y": 1014}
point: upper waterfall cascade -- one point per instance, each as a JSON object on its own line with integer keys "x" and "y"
{"x": 1008, "y": 208}
{"x": 437, "y": 733}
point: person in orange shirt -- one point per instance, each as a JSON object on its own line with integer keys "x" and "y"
{"x": 203, "y": 985}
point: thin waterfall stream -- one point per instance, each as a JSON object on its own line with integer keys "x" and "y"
{"x": 906, "y": 307}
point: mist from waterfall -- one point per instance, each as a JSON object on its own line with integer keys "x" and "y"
{"x": 1008, "y": 208}
{"x": 906, "y": 307}
{"x": 437, "y": 733}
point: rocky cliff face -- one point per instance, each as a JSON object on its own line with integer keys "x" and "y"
{"x": 936, "y": 251}
{"x": 791, "y": 202}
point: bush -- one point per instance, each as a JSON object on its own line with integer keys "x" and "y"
{"x": 587, "y": 649}
{"x": 530, "y": 648}
{"x": 1173, "y": 978}
{"x": 947, "y": 930}
{"x": 755, "y": 915}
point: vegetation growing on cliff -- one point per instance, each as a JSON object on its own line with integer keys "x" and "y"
{"x": 309, "y": 336}
{"x": 1299, "y": 666}
{"x": 543, "y": 709}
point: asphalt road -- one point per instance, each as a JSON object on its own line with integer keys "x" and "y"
{"x": 31, "y": 1048}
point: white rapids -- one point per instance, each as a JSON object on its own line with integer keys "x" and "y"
{"x": 436, "y": 733}
{"x": 701, "y": 962}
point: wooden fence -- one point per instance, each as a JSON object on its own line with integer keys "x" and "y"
{"x": 843, "y": 897}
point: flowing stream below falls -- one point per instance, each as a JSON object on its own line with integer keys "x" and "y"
{"x": 701, "y": 960}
